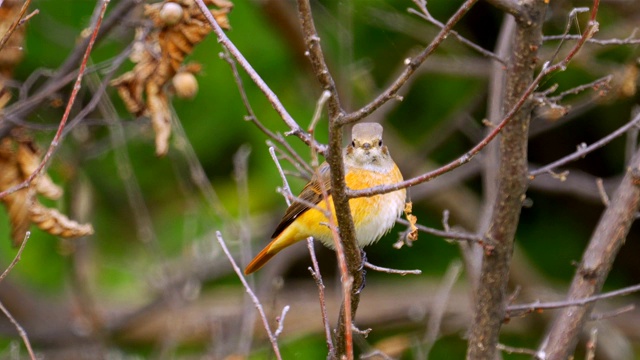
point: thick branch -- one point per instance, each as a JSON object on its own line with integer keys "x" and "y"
{"x": 494, "y": 276}
{"x": 608, "y": 237}
{"x": 352, "y": 255}
{"x": 512, "y": 7}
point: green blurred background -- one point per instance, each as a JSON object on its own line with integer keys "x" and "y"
{"x": 365, "y": 42}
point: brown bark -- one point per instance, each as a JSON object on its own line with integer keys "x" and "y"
{"x": 512, "y": 184}
{"x": 608, "y": 237}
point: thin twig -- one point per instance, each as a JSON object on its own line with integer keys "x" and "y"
{"x": 391, "y": 271}
{"x": 602, "y": 192}
{"x": 453, "y": 235}
{"x": 412, "y": 65}
{"x": 591, "y": 344}
{"x": 612, "y": 313}
{"x": 280, "y": 320}
{"x": 628, "y": 41}
{"x": 318, "y": 111}
{"x": 603, "y": 81}
{"x": 426, "y": 15}
{"x": 439, "y": 306}
{"x": 241, "y": 177}
{"x": 271, "y": 96}
{"x": 584, "y": 150}
{"x": 468, "y": 156}
{"x": 251, "y": 116}
{"x": 315, "y": 273}
{"x": 516, "y": 350}
{"x": 516, "y": 310}
{"x": 21, "y": 332}
{"x": 15, "y": 24}
{"x": 17, "y": 257}
{"x": 66, "y": 71}
{"x": 254, "y": 298}
{"x": 124, "y": 167}
{"x": 29, "y": 16}
{"x": 74, "y": 93}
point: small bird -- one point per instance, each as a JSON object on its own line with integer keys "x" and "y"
{"x": 367, "y": 163}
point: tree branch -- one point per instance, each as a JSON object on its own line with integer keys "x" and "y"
{"x": 412, "y": 65}
{"x": 269, "y": 94}
{"x": 494, "y": 273}
{"x": 596, "y": 263}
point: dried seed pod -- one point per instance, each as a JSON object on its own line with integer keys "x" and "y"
{"x": 160, "y": 56}
{"x": 185, "y": 84}
{"x": 171, "y": 13}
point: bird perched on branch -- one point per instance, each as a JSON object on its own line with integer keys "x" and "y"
{"x": 367, "y": 164}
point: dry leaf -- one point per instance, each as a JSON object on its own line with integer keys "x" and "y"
{"x": 412, "y": 219}
{"x": 55, "y": 223}
{"x": 16, "y": 203}
{"x": 159, "y": 54}
{"x": 11, "y": 54}
{"x": 18, "y": 160}
{"x": 28, "y": 160}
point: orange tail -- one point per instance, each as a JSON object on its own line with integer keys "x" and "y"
{"x": 260, "y": 259}
{"x": 287, "y": 237}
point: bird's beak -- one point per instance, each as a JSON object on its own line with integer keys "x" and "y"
{"x": 366, "y": 146}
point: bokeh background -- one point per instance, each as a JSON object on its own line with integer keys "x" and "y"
{"x": 153, "y": 283}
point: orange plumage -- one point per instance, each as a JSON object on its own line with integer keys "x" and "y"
{"x": 367, "y": 164}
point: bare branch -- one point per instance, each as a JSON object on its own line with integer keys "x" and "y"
{"x": 391, "y": 271}
{"x": 426, "y": 15}
{"x": 270, "y": 95}
{"x": 439, "y": 306}
{"x": 17, "y": 257}
{"x": 347, "y": 250}
{"x": 15, "y": 24}
{"x": 584, "y": 150}
{"x": 628, "y": 41}
{"x": 468, "y": 156}
{"x": 21, "y": 332}
{"x": 454, "y": 235}
{"x": 521, "y": 309}
{"x": 516, "y": 350}
{"x": 251, "y": 116}
{"x": 412, "y": 65}
{"x": 512, "y": 168}
{"x": 76, "y": 88}
{"x": 280, "y": 320}
{"x": 265, "y": 322}
{"x": 64, "y": 74}
{"x": 596, "y": 263}
{"x": 315, "y": 273}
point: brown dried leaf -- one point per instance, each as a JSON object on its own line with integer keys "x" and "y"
{"x": 17, "y": 202}
{"x": 11, "y": 54}
{"x": 412, "y": 219}
{"x": 159, "y": 56}
{"x": 55, "y": 223}
{"x": 28, "y": 160}
{"x": 18, "y": 160}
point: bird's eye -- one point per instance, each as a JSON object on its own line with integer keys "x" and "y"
{"x": 353, "y": 143}
{"x": 380, "y": 142}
